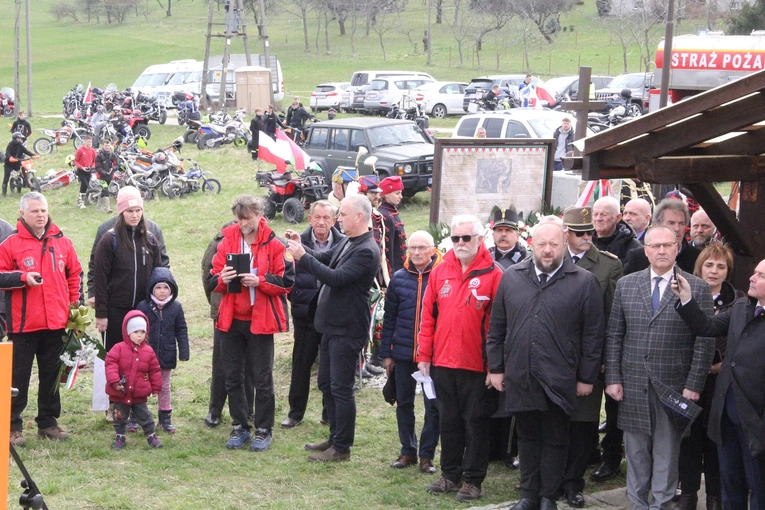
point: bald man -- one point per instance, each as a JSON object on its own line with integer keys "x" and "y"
{"x": 702, "y": 229}
{"x": 637, "y": 214}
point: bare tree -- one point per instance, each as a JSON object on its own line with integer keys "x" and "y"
{"x": 545, "y": 14}
{"x": 300, "y": 8}
{"x": 385, "y": 19}
{"x": 642, "y": 20}
{"x": 463, "y": 30}
{"x": 62, "y": 10}
{"x": 490, "y": 15}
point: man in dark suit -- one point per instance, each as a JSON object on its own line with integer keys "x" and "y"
{"x": 736, "y": 421}
{"x": 346, "y": 273}
{"x": 544, "y": 350}
{"x": 653, "y": 360}
{"x": 583, "y": 430}
{"x": 320, "y": 236}
{"x": 673, "y": 214}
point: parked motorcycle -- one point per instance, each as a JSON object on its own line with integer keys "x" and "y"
{"x": 411, "y": 111}
{"x": 52, "y": 180}
{"x": 187, "y": 106}
{"x": 7, "y": 105}
{"x": 61, "y": 136}
{"x": 194, "y": 180}
{"x": 212, "y": 135}
{"x": 151, "y": 109}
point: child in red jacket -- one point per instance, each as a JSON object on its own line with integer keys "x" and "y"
{"x": 132, "y": 374}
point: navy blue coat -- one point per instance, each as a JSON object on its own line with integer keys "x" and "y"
{"x": 306, "y": 286}
{"x": 168, "y": 334}
{"x": 403, "y": 309}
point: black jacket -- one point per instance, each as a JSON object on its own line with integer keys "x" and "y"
{"x": 5, "y": 230}
{"x": 546, "y": 338}
{"x": 686, "y": 259}
{"x": 348, "y": 275}
{"x": 106, "y": 162}
{"x": 395, "y": 237}
{"x": 16, "y": 150}
{"x": 620, "y": 243}
{"x": 168, "y": 334}
{"x": 517, "y": 254}
{"x": 306, "y": 286}
{"x": 21, "y": 126}
{"x": 743, "y": 367}
{"x": 104, "y": 227}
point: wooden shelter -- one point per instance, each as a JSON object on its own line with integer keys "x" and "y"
{"x": 716, "y": 136}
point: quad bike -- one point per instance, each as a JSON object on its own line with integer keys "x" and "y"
{"x": 292, "y": 194}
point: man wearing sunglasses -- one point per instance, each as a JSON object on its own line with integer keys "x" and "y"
{"x": 583, "y": 430}
{"x": 455, "y": 322}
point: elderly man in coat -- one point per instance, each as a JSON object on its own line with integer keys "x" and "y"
{"x": 736, "y": 421}
{"x": 655, "y": 369}
{"x": 544, "y": 349}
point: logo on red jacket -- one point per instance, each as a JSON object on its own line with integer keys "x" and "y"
{"x": 446, "y": 290}
{"x": 474, "y": 283}
{"x": 61, "y": 265}
{"x": 29, "y": 263}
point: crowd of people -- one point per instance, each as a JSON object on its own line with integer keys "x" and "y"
{"x": 515, "y": 348}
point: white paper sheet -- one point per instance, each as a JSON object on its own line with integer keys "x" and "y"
{"x": 427, "y": 384}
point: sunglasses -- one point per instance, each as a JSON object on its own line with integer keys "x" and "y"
{"x": 465, "y": 239}
{"x": 586, "y": 232}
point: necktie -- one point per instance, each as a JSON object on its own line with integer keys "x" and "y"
{"x": 656, "y": 296}
{"x": 575, "y": 259}
{"x": 543, "y": 278}
{"x": 757, "y": 310}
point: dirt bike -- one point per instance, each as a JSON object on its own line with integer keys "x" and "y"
{"x": 52, "y": 180}
{"x": 59, "y": 137}
{"x": 7, "y": 106}
{"x": 212, "y": 135}
{"x": 21, "y": 178}
{"x": 194, "y": 180}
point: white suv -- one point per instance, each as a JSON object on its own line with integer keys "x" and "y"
{"x": 383, "y": 93}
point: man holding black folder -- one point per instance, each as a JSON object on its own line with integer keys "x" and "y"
{"x": 254, "y": 273}
{"x": 655, "y": 369}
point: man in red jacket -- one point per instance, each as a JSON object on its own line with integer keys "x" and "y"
{"x": 40, "y": 271}
{"x": 452, "y": 340}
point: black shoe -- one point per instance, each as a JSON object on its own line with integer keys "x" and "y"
{"x": 602, "y": 428}
{"x": 525, "y": 504}
{"x": 594, "y": 458}
{"x": 375, "y": 361}
{"x": 511, "y": 462}
{"x": 290, "y": 423}
{"x": 548, "y": 504}
{"x": 374, "y": 370}
{"x": 365, "y": 374}
{"x": 687, "y": 502}
{"x": 574, "y": 499}
{"x": 606, "y": 471}
{"x": 212, "y": 421}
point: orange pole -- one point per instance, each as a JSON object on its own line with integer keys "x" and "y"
{"x": 6, "y": 369}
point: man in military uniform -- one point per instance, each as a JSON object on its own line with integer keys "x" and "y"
{"x": 583, "y": 429}
{"x": 507, "y": 249}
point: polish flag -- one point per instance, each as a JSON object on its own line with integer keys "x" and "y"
{"x": 278, "y": 154}
{"x": 299, "y": 158}
{"x": 88, "y": 95}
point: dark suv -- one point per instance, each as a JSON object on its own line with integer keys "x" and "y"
{"x": 639, "y": 83}
{"x": 401, "y": 147}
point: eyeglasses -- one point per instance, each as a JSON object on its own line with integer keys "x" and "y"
{"x": 656, "y": 246}
{"x": 465, "y": 239}
{"x": 585, "y": 233}
{"x": 419, "y": 248}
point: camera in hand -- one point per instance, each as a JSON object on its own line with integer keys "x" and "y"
{"x": 241, "y": 263}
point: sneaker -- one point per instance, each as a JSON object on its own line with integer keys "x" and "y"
{"x": 238, "y": 437}
{"x": 469, "y": 492}
{"x": 261, "y": 441}
{"x": 443, "y": 485}
{"x": 55, "y": 432}
{"x": 17, "y": 438}
{"x": 119, "y": 442}
{"x": 153, "y": 441}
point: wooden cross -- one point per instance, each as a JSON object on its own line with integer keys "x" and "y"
{"x": 582, "y": 106}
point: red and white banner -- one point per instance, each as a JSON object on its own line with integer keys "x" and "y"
{"x": 726, "y": 60}
{"x": 88, "y": 95}
{"x": 278, "y": 154}
{"x": 299, "y": 158}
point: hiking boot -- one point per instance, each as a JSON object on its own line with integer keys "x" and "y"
{"x": 17, "y": 438}
{"x": 81, "y": 201}
{"x": 261, "y": 441}
{"x": 153, "y": 441}
{"x": 119, "y": 442}
{"x": 443, "y": 485}
{"x": 165, "y": 422}
{"x": 317, "y": 447}
{"x": 469, "y": 492}
{"x": 55, "y": 432}
{"x": 238, "y": 437}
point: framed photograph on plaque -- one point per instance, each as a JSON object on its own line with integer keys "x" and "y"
{"x": 472, "y": 175}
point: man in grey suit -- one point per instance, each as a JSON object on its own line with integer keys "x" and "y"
{"x": 653, "y": 359}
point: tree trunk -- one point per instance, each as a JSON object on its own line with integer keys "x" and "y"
{"x": 327, "y": 19}
{"x": 341, "y": 22}
{"x": 353, "y": 28}
{"x": 304, "y": 16}
{"x": 169, "y": 8}
{"x": 439, "y": 11}
{"x": 385, "y": 57}
{"x": 459, "y": 50}
{"x": 318, "y": 31}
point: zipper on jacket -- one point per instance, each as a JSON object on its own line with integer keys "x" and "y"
{"x": 52, "y": 259}
{"x": 135, "y": 267}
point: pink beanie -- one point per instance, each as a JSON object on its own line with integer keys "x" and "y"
{"x": 128, "y": 197}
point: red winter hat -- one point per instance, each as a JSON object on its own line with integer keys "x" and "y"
{"x": 391, "y": 184}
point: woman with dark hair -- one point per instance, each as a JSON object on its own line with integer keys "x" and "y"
{"x": 123, "y": 261}
{"x": 698, "y": 453}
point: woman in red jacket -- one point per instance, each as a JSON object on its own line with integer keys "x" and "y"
{"x": 132, "y": 374}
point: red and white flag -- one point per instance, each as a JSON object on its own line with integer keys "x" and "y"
{"x": 271, "y": 152}
{"x": 88, "y": 95}
{"x": 299, "y": 157}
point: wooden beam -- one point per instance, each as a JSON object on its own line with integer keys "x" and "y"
{"x": 685, "y": 134}
{"x": 748, "y": 143}
{"x": 656, "y": 120}
{"x": 742, "y": 241}
{"x": 572, "y": 163}
{"x": 700, "y": 169}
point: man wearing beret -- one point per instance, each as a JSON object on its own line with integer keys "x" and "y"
{"x": 507, "y": 249}
{"x": 395, "y": 236}
{"x": 583, "y": 429}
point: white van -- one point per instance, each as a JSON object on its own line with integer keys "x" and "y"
{"x": 153, "y": 78}
{"x": 360, "y": 81}
{"x": 186, "y": 78}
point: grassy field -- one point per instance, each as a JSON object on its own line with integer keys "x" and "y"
{"x": 194, "y": 470}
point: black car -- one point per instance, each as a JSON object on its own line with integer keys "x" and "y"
{"x": 401, "y": 147}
